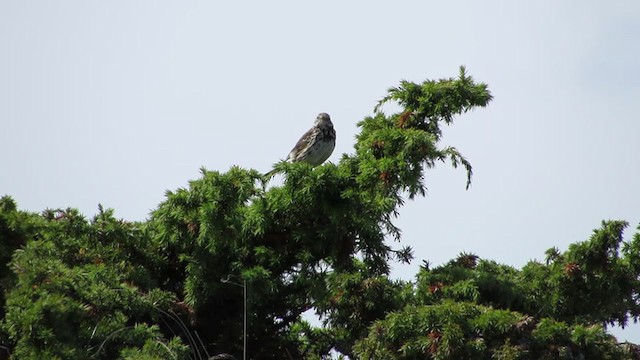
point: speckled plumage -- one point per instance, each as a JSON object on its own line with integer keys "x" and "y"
{"x": 317, "y": 144}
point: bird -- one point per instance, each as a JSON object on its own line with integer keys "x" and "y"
{"x": 316, "y": 145}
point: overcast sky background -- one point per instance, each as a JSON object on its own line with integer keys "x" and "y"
{"x": 115, "y": 102}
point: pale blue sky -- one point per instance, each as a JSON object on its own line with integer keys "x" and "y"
{"x": 115, "y": 102}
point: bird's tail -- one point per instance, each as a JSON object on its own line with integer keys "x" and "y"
{"x": 275, "y": 170}
{"x": 270, "y": 174}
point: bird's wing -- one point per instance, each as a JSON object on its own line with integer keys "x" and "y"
{"x": 305, "y": 141}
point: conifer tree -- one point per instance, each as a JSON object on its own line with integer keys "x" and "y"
{"x": 174, "y": 286}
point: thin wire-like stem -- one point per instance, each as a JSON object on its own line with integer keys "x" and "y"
{"x": 244, "y": 332}
{"x": 244, "y": 318}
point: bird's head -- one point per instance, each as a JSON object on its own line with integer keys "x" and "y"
{"x": 323, "y": 121}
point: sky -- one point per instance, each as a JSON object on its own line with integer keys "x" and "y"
{"x": 115, "y": 102}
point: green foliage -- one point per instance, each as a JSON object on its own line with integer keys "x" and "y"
{"x": 449, "y": 330}
{"x": 460, "y": 330}
{"x": 469, "y": 278}
{"x": 488, "y": 310}
{"x": 84, "y": 290}
{"x": 15, "y": 228}
{"x": 593, "y": 282}
{"x": 174, "y": 286}
{"x": 356, "y": 299}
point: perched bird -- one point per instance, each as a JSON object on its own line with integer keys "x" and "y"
{"x": 316, "y": 145}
